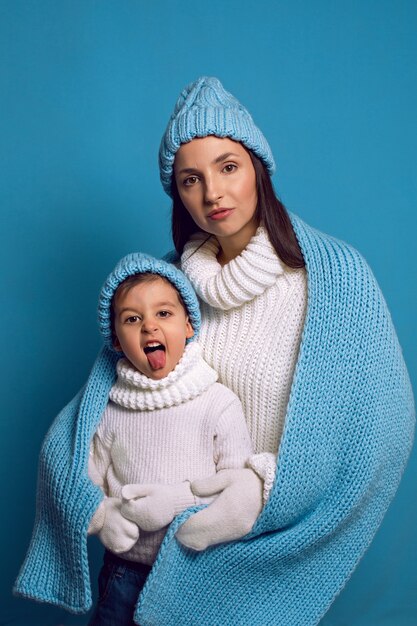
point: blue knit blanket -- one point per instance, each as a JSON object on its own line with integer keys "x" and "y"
{"x": 347, "y": 437}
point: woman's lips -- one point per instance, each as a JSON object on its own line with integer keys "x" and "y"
{"x": 219, "y": 214}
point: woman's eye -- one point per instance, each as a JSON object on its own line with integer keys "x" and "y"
{"x": 230, "y": 167}
{"x": 191, "y": 180}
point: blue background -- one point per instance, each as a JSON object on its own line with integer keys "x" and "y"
{"x": 86, "y": 91}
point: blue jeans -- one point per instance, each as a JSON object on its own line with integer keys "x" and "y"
{"x": 119, "y": 585}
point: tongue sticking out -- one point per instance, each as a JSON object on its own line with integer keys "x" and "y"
{"x": 156, "y": 358}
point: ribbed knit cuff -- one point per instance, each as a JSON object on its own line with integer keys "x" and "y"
{"x": 184, "y": 497}
{"x": 97, "y": 521}
{"x": 264, "y": 465}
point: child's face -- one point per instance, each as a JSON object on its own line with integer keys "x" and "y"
{"x": 151, "y": 327}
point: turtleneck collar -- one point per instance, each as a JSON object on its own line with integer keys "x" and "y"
{"x": 190, "y": 378}
{"x": 240, "y": 280}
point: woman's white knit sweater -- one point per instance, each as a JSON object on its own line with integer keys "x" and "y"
{"x": 180, "y": 428}
{"x": 253, "y": 312}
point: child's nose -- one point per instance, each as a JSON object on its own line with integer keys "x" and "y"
{"x": 149, "y": 325}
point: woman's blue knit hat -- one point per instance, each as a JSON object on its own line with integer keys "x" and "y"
{"x": 206, "y": 108}
{"x": 140, "y": 263}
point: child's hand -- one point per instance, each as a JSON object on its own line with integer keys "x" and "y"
{"x": 118, "y": 534}
{"x": 153, "y": 507}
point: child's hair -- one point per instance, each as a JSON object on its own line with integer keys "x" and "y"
{"x": 132, "y": 281}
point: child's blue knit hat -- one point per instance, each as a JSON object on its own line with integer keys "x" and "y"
{"x": 140, "y": 263}
{"x": 206, "y": 108}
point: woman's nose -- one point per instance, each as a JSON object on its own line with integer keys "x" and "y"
{"x": 212, "y": 190}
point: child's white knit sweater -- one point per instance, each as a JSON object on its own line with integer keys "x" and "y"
{"x": 253, "y": 312}
{"x": 183, "y": 427}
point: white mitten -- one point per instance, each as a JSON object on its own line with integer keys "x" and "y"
{"x": 116, "y": 532}
{"x": 154, "y": 506}
{"x": 232, "y": 514}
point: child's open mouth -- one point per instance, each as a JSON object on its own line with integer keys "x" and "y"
{"x": 155, "y": 353}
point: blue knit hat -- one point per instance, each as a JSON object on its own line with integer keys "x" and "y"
{"x": 140, "y": 263}
{"x": 206, "y": 108}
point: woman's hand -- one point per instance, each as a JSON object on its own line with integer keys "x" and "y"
{"x": 232, "y": 514}
{"x": 154, "y": 506}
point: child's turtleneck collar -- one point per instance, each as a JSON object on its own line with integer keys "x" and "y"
{"x": 191, "y": 376}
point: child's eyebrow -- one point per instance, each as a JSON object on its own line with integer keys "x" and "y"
{"x": 166, "y": 303}
{"x": 125, "y": 309}
{"x": 157, "y": 305}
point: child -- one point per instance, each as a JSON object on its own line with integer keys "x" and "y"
{"x": 167, "y": 422}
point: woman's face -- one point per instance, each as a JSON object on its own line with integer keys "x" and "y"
{"x": 216, "y": 182}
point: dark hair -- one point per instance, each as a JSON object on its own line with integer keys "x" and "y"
{"x": 270, "y": 211}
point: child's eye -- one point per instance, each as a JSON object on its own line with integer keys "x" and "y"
{"x": 132, "y": 319}
{"x": 164, "y": 314}
{"x": 229, "y": 168}
{"x": 190, "y": 181}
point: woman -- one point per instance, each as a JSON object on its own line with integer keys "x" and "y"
{"x": 221, "y": 193}
{"x": 342, "y": 424}
{"x": 295, "y": 324}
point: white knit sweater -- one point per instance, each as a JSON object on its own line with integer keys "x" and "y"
{"x": 183, "y": 427}
{"x": 253, "y": 310}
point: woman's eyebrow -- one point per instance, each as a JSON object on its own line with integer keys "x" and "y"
{"x": 224, "y": 156}
{"x": 187, "y": 170}
{"x": 219, "y": 159}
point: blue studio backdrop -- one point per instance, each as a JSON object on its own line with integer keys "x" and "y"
{"x": 86, "y": 91}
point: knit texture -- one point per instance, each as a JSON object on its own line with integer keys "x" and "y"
{"x": 206, "y": 108}
{"x": 253, "y": 311}
{"x": 191, "y": 376}
{"x": 347, "y": 436}
{"x": 180, "y": 428}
